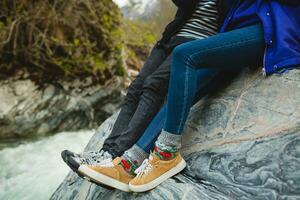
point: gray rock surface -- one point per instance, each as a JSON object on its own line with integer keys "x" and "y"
{"x": 27, "y": 109}
{"x": 242, "y": 143}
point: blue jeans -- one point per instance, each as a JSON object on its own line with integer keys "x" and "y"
{"x": 231, "y": 50}
{"x": 208, "y": 81}
{"x": 197, "y": 69}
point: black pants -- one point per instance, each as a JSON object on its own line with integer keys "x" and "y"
{"x": 145, "y": 96}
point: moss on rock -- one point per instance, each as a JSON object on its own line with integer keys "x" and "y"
{"x": 57, "y": 38}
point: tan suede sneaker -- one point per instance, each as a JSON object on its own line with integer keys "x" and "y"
{"x": 112, "y": 175}
{"x": 155, "y": 171}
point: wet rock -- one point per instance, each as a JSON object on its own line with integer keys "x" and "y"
{"x": 241, "y": 143}
{"x": 27, "y": 109}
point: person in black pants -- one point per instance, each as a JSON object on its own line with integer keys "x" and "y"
{"x": 147, "y": 92}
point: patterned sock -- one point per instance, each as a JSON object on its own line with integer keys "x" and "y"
{"x": 133, "y": 158}
{"x": 167, "y": 145}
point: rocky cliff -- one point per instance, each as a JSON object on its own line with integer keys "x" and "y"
{"x": 241, "y": 143}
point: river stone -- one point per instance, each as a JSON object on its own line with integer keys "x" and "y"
{"x": 241, "y": 143}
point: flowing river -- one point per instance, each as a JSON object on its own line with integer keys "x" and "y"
{"x": 33, "y": 170}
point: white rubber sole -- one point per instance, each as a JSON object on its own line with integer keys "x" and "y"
{"x": 149, "y": 186}
{"x": 102, "y": 179}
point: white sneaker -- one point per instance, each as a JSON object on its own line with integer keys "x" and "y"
{"x": 74, "y": 160}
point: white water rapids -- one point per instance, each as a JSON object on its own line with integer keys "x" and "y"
{"x": 35, "y": 169}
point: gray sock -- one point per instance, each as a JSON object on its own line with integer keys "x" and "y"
{"x": 136, "y": 155}
{"x": 168, "y": 140}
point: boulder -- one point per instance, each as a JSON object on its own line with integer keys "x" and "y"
{"x": 240, "y": 143}
{"x": 27, "y": 109}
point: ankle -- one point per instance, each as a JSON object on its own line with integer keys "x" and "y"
{"x": 133, "y": 158}
{"x": 129, "y": 166}
{"x": 168, "y": 140}
{"x": 166, "y": 153}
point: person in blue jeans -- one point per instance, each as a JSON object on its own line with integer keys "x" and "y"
{"x": 254, "y": 33}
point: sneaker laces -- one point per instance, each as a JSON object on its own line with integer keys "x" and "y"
{"x": 144, "y": 168}
{"x": 91, "y": 153}
{"x": 94, "y": 157}
{"x": 106, "y": 161}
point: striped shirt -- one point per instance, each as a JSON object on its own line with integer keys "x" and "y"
{"x": 203, "y": 23}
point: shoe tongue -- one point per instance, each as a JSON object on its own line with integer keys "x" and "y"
{"x": 153, "y": 158}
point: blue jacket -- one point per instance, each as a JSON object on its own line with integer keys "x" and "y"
{"x": 281, "y": 24}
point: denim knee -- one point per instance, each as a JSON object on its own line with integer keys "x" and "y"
{"x": 156, "y": 85}
{"x": 135, "y": 89}
{"x": 182, "y": 57}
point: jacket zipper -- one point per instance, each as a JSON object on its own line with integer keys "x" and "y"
{"x": 264, "y": 73}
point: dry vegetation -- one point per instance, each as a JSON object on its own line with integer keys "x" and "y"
{"x": 55, "y": 38}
